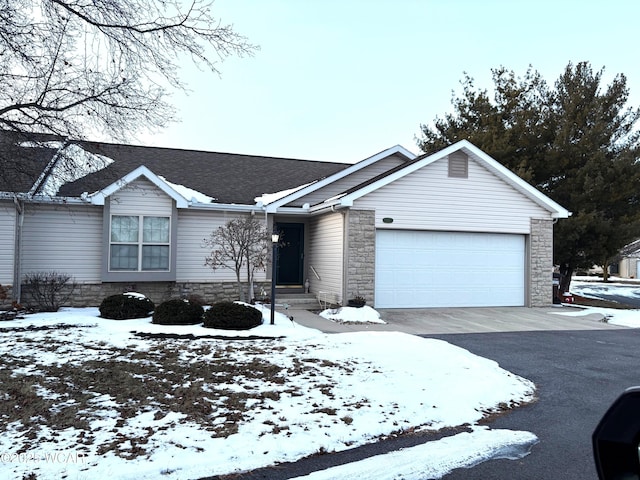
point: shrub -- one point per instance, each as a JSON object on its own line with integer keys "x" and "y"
{"x": 47, "y": 291}
{"x": 125, "y": 306}
{"x": 178, "y": 312}
{"x": 357, "y": 302}
{"x": 232, "y": 316}
{"x": 196, "y": 299}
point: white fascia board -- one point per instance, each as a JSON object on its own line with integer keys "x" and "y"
{"x": 500, "y": 170}
{"x": 272, "y": 209}
{"x": 326, "y": 206}
{"x": 341, "y": 174}
{"x": 98, "y": 197}
{"x": 25, "y": 197}
{"x": 292, "y": 211}
{"x": 226, "y": 207}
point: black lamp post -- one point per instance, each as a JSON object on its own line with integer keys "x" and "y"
{"x": 274, "y": 242}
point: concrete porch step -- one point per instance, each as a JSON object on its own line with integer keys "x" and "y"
{"x": 301, "y": 301}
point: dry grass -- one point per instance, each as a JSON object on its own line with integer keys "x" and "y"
{"x": 206, "y": 382}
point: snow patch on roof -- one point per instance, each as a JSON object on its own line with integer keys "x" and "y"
{"x": 70, "y": 163}
{"x": 267, "y": 198}
{"x": 55, "y": 145}
{"x": 189, "y": 194}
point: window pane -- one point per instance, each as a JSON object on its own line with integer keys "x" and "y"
{"x": 155, "y": 230}
{"x": 124, "y": 229}
{"x": 155, "y": 257}
{"x": 124, "y": 257}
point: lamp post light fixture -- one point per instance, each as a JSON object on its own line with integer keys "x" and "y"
{"x": 275, "y": 237}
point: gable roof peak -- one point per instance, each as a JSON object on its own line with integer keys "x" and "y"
{"x": 395, "y": 150}
{"x": 502, "y": 172}
{"x": 98, "y": 198}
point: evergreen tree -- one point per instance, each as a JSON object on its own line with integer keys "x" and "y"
{"x": 576, "y": 142}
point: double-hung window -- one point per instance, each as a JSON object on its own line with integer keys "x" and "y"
{"x": 139, "y": 243}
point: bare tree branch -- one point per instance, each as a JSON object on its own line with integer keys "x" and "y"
{"x": 241, "y": 242}
{"x": 101, "y": 68}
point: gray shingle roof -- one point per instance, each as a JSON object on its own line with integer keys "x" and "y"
{"x": 229, "y": 178}
{"x": 20, "y": 167}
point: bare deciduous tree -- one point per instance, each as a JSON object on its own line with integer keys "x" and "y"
{"x": 242, "y": 243}
{"x": 77, "y": 69}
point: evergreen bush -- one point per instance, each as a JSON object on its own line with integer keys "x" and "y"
{"x": 232, "y": 316}
{"x": 178, "y": 312}
{"x": 125, "y": 306}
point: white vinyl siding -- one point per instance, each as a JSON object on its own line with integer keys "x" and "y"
{"x": 193, "y": 228}
{"x": 417, "y": 269}
{"x": 63, "y": 238}
{"x": 356, "y": 178}
{"x": 141, "y": 198}
{"x": 428, "y": 199}
{"x": 7, "y": 242}
{"x": 326, "y": 247}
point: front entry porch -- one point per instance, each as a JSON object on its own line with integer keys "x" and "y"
{"x": 289, "y": 273}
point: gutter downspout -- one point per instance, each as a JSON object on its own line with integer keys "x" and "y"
{"x": 16, "y": 291}
{"x": 17, "y": 252}
{"x": 345, "y": 254}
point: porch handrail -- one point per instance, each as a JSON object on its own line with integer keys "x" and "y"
{"x": 314, "y": 272}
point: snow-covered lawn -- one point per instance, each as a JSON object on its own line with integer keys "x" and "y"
{"x": 590, "y": 289}
{"x": 85, "y": 397}
{"x": 593, "y": 289}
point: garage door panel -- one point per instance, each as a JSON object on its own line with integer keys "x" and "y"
{"x": 443, "y": 269}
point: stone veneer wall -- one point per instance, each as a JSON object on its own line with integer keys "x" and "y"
{"x": 91, "y": 295}
{"x": 361, "y": 255}
{"x": 540, "y": 273}
{"x": 6, "y": 294}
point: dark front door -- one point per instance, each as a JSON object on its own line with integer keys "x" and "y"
{"x": 290, "y": 254}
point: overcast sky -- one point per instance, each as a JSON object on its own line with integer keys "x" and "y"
{"x": 340, "y": 80}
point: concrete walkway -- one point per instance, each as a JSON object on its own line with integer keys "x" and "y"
{"x": 463, "y": 320}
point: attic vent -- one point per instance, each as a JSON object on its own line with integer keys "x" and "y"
{"x": 458, "y": 165}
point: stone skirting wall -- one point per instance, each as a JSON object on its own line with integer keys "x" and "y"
{"x": 6, "y": 296}
{"x": 540, "y": 272}
{"x": 91, "y": 295}
{"x": 361, "y": 255}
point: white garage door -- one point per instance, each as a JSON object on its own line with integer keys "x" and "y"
{"x": 448, "y": 269}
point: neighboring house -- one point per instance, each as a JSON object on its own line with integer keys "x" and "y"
{"x": 454, "y": 228}
{"x": 628, "y": 265}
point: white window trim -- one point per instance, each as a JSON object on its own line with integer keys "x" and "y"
{"x": 139, "y": 244}
{"x": 131, "y": 277}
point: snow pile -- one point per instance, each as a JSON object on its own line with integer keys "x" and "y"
{"x": 463, "y": 450}
{"x": 364, "y": 314}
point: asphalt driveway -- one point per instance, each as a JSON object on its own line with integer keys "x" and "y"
{"x": 579, "y": 365}
{"x": 578, "y": 374}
